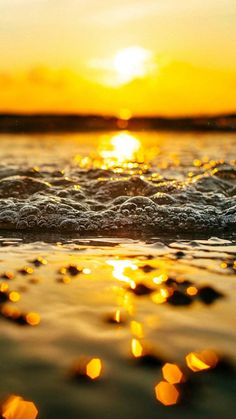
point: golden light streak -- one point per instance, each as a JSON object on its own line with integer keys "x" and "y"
{"x": 119, "y": 267}
{"x": 125, "y": 300}
{"x": 136, "y": 348}
{"x": 117, "y": 316}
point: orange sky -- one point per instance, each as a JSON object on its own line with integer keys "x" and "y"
{"x": 152, "y": 57}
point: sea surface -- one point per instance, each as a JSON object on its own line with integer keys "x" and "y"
{"x": 117, "y": 266}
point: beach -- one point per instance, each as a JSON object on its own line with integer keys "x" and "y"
{"x": 118, "y": 248}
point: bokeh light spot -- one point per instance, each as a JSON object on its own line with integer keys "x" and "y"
{"x": 167, "y": 393}
{"x": 199, "y": 361}
{"x": 33, "y": 319}
{"x": 94, "y": 368}
{"x": 17, "y": 408}
{"x": 172, "y": 373}
{"x": 136, "y": 348}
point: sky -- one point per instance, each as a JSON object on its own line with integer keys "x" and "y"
{"x": 150, "y": 57}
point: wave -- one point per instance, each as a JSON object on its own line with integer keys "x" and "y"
{"x": 102, "y": 201}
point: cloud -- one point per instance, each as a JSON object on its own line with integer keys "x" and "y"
{"x": 177, "y": 89}
{"x": 42, "y": 75}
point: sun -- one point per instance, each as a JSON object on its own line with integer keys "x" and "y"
{"x": 131, "y": 63}
{"x": 126, "y": 65}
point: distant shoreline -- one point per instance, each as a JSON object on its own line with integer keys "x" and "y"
{"x": 56, "y": 123}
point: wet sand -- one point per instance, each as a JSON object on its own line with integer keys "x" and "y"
{"x": 84, "y": 292}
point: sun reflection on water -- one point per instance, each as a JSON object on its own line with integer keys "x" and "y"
{"x": 122, "y": 149}
{"x": 120, "y": 152}
{"x": 119, "y": 268}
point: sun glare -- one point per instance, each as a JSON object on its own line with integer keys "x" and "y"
{"x": 130, "y": 63}
{"x": 120, "y": 148}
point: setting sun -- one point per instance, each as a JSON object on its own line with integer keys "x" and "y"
{"x": 133, "y": 62}
{"x": 154, "y": 58}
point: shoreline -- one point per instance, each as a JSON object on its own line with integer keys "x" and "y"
{"x": 56, "y": 123}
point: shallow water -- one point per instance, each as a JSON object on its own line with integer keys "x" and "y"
{"x": 129, "y": 238}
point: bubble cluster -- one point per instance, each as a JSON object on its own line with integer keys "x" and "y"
{"x": 92, "y": 201}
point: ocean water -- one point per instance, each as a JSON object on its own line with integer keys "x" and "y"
{"x": 119, "y": 248}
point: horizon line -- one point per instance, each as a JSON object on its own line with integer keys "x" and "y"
{"x": 57, "y": 122}
{"x": 230, "y": 114}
